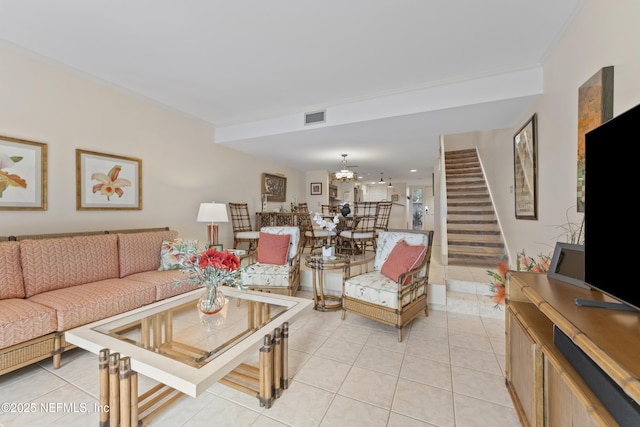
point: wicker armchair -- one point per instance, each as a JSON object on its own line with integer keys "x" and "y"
{"x": 276, "y": 278}
{"x": 392, "y": 302}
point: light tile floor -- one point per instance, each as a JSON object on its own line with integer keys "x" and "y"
{"x": 447, "y": 371}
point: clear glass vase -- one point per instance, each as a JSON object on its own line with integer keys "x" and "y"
{"x": 211, "y": 301}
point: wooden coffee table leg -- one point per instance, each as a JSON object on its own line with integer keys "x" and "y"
{"x": 125, "y": 392}
{"x": 266, "y": 373}
{"x": 114, "y": 390}
{"x": 103, "y": 366}
{"x": 285, "y": 355}
{"x": 120, "y": 404}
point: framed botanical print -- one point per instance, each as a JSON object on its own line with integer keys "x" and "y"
{"x": 275, "y": 187}
{"x": 23, "y": 174}
{"x": 107, "y": 181}
{"x": 525, "y": 165}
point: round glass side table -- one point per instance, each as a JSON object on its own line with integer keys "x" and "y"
{"x": 318, "y": 264}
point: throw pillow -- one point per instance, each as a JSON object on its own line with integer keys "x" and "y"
{"x": 273, "y": 248}
{"x": 175, "y": 252}
{"x": 402, "y": 258}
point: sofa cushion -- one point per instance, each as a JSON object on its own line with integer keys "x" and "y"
{"x": 273, "y": 248}
{"x": 22, "y": 320}
{"x": 11, "y": 284}
{"x": 403, "y": 258}
{"x": 175, "y": 252}
{"x": 141, "y": 251}
{"x": 79, "y": 305}
{"x": 49, "y": 264}
{"x": 166, "y": 283}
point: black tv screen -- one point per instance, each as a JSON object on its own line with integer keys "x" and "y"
{"x": 611, "y": 162}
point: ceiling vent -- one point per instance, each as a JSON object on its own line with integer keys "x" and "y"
{"x": 316, "y": 117}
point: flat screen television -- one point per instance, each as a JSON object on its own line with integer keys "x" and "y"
{"x": 612, "y": 158}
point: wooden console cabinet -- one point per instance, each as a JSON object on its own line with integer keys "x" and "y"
{"x": 545, "y": 388}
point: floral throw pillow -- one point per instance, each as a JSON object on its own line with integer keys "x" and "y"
{"x": 175, "y": 252}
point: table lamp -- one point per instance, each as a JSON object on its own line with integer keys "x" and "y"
{"x": 212, "y": 212}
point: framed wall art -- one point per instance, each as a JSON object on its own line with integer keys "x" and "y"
{"x": 23, "y": 174}
{"x": 275, "y": 187}
{"x": 316, "y": 188}
{"x": 595, "y": 106}
{"x": 106, "y": 181}
{"x": 525, "y": 146}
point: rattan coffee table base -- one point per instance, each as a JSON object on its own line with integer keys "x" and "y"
{"x": 122, "y": 406}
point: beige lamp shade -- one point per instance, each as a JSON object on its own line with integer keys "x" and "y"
{"x": 212, "y": 212}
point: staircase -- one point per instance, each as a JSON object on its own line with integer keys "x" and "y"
{"x": 473, "y": 235}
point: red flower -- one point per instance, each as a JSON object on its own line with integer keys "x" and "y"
{"x": 499, "y": 295}
{"x": 212, "y": 268}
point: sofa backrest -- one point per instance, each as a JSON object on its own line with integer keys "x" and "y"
{"x": 49, "y": 264}
{"x": 140, "y": 252}
{"x": 387, "y": 241}
{"x": 11, "y": 284}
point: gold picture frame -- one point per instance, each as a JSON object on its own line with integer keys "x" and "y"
{"x": 274, "y": 187}
{"x": 106, "y": 181}
{"x": 525, "y": 166}
{"x": 23, "y": 174}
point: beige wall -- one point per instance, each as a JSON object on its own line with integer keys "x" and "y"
{"x": 181, "y": 165}
{"x": 604, "y": 33}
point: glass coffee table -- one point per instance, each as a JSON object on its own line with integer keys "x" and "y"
{"x": 187, "y": 352}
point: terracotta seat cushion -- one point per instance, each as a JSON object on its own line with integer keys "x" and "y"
{"x": 166, "y": 283}
{"x": 79, "y": 305}
{"x": 22, "y": 320}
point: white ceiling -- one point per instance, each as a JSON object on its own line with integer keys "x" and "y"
{"x": 392, "y": 75}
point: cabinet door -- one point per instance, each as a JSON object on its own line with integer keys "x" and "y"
{"x": 524, "y": 375}
{"x": 563, "y": 404}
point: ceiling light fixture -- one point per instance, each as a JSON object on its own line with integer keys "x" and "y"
{"x": 344, "y": 175}
{"x": 390, "y": 186}
{"x": 381, "y": 179}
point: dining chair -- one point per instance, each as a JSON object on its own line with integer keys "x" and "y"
{"x": 355, "y": 240}
{"x": 382, "y": 217}
{"x": 303, "y": 207}
{"x": 242, "y": 230}
{"x": 329, "y": 210}
{"x": 314, "y": 237}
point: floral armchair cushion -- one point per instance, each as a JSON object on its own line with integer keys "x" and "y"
{"x": 376, "y": 288}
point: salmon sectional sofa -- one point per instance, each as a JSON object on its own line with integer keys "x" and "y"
{"x": 51, "y": 285}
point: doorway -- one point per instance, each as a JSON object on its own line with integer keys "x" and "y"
{"x": 417, "y": 208}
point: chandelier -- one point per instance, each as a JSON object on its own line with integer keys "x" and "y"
{"x": 344, "y": 175}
